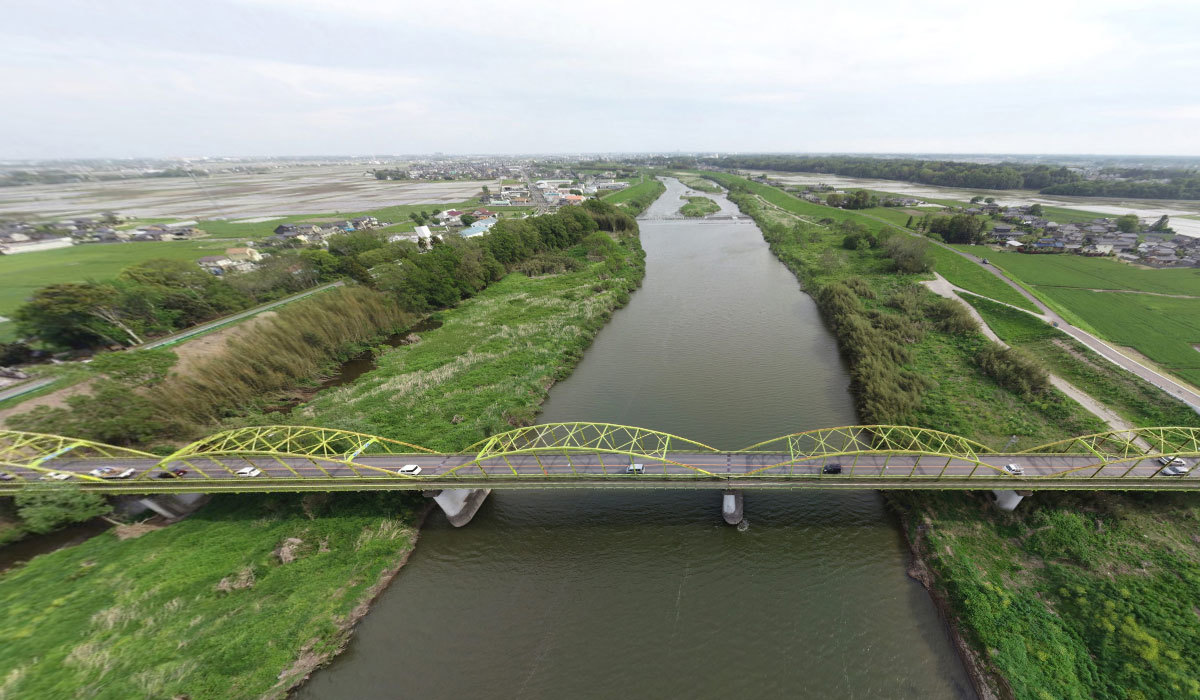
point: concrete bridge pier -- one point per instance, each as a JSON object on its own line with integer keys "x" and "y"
{"x": 731, "y": 507}
{"x": 1009, "y": 500}
{"x": 459, "y": 505}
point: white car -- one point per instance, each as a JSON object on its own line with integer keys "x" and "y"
{"x": 409, "y": 470}
{"x": 635, "y": 469}
{"x": 56, "y": 476}
{"x": 101, "y": 471}
{"x": 1016, "y": 469}
{"x": 123, "y": 475}
{"x": 1175, "y": 470}
{"x": 1169, "y": 461}
{"x": 248, "y": 471}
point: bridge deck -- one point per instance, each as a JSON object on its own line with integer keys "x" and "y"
{"x": 707, "y": 470}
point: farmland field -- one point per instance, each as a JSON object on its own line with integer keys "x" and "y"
{"x": 1164, "y": 329}
{"x": 28, "y": 271}
{"x": 1090, "y": 273}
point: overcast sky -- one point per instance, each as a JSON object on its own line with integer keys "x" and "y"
{"x": 256, "y": 77}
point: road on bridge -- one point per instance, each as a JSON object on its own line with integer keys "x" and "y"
{"x": 591, "y": 470}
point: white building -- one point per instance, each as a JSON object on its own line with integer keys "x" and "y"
{"x": 35, "y": 246}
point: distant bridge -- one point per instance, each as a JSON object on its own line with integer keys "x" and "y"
{"x": 597, "y": 455}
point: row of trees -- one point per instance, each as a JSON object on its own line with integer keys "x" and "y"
{"x": 1185, "y": 187}
{"x": 457, "y": 268}
{"x": 988, "y": 176}
{"x": 959, "y": 228}
{"x": 152, "y": 298}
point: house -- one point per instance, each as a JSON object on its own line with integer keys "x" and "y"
{"x": 478, "y": 228}
{"x": 423, "y": 232}
{"x": 451, "y": 217}
{"x": 1013, "y": 245}
{"x": 572, "y": 199}
{"x": 243, "y": 254}
{"x": 215, "y": 264}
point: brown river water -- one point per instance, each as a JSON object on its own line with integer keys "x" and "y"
{"x": 648, "y": 594}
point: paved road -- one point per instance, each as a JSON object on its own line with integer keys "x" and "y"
{"x": 696, "y": 470}
{"x": 26, "y": 387}
{"x": 205, "y": 327}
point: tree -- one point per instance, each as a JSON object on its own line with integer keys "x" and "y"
{"x": 467, "y": 219}
{"x": 323, "y": 262}
{"x": 989, "y": 200}
{"x": 47, "y": 507}
{"x": 977, "y": 199}
{"x": 1128, "y": 223}
{"x": 909, "y": 223}
{"x": 76, "y": 315}
{"x": 1035, "y": 209}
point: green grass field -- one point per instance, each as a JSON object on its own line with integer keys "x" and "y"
{"x": 973, "y": 277}
{"x": 1089, "y": 273}
{"x": 24, "y": 273}
{"x": 1135, "y": 399}
{"x": 1162, "y": 328}
{"x": 645, "y": 186}
{"x": 697, "y": 207}
{"x": 203, "y": 608}
{"x": 1165, "y": 329}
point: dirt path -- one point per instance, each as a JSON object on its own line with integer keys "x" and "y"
{"x": 943, "y": 288}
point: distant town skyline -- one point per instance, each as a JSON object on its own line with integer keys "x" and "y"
{"x": 258, "y": 77}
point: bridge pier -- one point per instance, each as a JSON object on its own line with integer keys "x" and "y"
{"x": 459, "y": 505}
{"x": 731, "y": 507}
{"x": 1009, "y": 500}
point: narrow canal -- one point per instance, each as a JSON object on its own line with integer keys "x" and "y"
{"x": 649, "y": 594}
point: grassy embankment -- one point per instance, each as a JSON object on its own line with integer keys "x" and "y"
{"x": 1165, "y": 329}
{"x": 931, "y": 375}
{"x": 1071, "y": 596}
{"x": 207, "y": 608}
{"x": 697, "y": 207}
{"x": 698, "y": 183}
{"x": 635, "y": 198}
{"x": 489, "y": 366}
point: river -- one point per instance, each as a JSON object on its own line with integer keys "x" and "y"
{"x": 649, "y": 594}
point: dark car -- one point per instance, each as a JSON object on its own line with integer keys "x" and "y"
{"x": 831, "y": 469}
{"x": 172, "y": 474}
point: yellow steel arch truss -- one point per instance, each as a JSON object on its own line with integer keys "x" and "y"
{"x": 583, "y": 438}
{"x": 317, "y": 454}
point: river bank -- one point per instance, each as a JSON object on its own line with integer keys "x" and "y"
{"x": 247, "y": 596}
{"x": 1019, "y": 587}
{"x": 717, "y": 345}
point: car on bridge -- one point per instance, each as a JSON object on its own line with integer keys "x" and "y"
{"x": 1169, "y": 461}
{"x": 172, "y": 474}
{"x": 409, "y": 470}
{"x": 635, "y": 469}
{"x": 1014, "y": 469}
{"x": 102, "y": 471}
{"x": 56, "y": 476}
{"x": 831, "y": 469}
{"x": 248, "y": 471}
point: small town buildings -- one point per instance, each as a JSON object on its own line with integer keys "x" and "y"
{"x": 243, "y": 254}
{"x": 478, "y": 228}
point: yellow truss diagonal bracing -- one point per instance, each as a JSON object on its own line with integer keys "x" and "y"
{"x": 30, "y": 451}
{"x": 330, "y": 458}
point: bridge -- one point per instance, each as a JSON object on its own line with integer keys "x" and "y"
{"x": 598, "y": 455}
